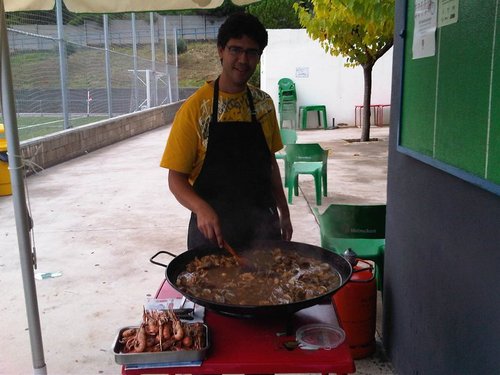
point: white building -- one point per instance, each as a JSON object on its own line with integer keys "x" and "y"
{"x": 321, "y": 78}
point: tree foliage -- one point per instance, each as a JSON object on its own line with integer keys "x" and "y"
{"x": 359, "y": 30}
{"x": 276, "y": 14}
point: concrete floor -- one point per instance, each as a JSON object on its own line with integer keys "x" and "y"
{"x": 99, "y": 218}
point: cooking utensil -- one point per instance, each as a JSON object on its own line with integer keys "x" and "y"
{"x": 178, "y": 265}
{"x": 242, "y": 262}
{"x": 231, "y": 250}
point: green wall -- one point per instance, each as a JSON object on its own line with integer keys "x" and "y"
{"x": 451, "y": 101}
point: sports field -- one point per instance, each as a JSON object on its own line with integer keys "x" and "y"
{"x": 37, "y": 126}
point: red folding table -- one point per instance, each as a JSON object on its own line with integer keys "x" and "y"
{"x": 256, "y": 345}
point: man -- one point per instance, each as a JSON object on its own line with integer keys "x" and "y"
{"x": 220, "y": 152}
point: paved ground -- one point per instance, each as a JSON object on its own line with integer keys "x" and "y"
{"x": 99, "y": 218}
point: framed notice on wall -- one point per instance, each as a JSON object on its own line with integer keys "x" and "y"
{"x": 450, "y": 115}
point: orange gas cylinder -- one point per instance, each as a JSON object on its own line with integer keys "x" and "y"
{"x": 356, "y": 305}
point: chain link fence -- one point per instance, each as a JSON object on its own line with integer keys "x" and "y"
{"x": 76, "y": 69}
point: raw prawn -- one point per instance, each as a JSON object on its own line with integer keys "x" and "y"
{"x": 162, "y": 331}
{"x": 167, "y": 330}
{"x": 140, "y": 340}
{"x": 177, "y": 329}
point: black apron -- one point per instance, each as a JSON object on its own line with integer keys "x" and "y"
{"x": 235, "y": 180}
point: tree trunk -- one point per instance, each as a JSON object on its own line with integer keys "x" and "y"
{"x": 365, "y": 127}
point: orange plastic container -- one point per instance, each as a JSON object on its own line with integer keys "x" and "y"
{"x": 356, "y": 304}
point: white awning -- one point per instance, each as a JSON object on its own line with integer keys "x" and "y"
{"x": 117, "y": 6}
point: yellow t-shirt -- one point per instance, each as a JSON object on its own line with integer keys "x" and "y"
{"x": 187, "y": 143}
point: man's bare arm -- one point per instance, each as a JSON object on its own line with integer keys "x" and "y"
{"x": 208, "y": 221}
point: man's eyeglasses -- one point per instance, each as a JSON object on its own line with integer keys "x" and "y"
{"x": 238, "y": 51}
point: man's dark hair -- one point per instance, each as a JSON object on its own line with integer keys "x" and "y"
{"x": 238, "y": 25}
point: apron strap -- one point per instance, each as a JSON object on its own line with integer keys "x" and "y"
{"x": 215, "y": 103}
{"x": 252, "y": 107}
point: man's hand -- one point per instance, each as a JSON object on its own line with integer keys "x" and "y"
{"x": 281, "y": 202}
{"x": 208, "y": 221}
{"x": 286, "y": 228}
{"x": 209, "y": 225}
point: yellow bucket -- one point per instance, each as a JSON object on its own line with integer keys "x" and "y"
{"x": 5, "y": 185}
{"x": 3, "y": 141}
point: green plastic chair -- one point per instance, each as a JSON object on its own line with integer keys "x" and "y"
{"x": 286, "y": 90}
{"x": 313, "y": 168}
{"x": 359, "y": 227}
{"x": 288, "y": 136}
{"x": 287, "y": 105}
{"x": 288, "y": 112}
{"x": 306, "y": 158}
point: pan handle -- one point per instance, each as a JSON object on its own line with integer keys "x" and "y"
{"x": 152, "y": 259}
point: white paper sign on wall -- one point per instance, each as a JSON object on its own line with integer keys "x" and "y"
{"x": 302, "y": 72}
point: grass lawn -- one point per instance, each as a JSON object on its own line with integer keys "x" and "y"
{"x": 37, "y": 126}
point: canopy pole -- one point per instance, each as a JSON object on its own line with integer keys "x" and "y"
{"x": 107, "y": 60}
{"x": 153, "y": 58}
{"x": 63, "y": 66}
{"x": 19, "y": 199}
{"x": 134, "y": 52}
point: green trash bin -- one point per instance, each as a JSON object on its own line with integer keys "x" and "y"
{"x": 5, "y": 185}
